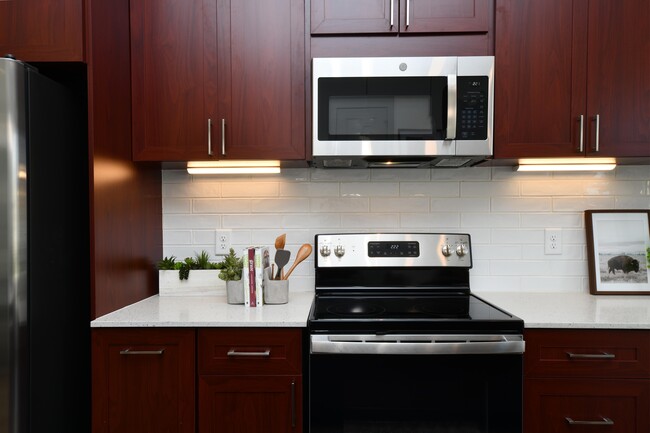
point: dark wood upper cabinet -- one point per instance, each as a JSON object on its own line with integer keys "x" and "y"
{"x": 398, "y": 16}
{"x": 560, "y": 66}
{"x": 215, "y": 79}
{"x": 168, "y": 85}
{"x": 261, "y": 79}
{"x": 42, "y": 30}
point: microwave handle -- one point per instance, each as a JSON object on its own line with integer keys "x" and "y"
{"x": 452, "y": 90}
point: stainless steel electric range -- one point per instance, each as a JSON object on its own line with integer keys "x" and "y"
{"x": 399, "y": 343}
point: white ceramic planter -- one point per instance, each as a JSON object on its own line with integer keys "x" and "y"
{"x": 201, "y": 282}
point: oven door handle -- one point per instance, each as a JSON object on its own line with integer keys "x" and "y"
{"x": 418, "y": 344}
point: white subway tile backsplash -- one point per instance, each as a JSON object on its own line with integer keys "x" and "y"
{"x": 399, "y": 204}
{"x": 504, "y": 211}
{"x": 192, "y": 221}
{"x": 251, "y": 189}
{"x": 177, "y": 205}
{"x": 177, "y": 237}
{"x": 572, "y": 204}
{"x": 552, "y": 220}
{"x": 484, "y": 219}
{"x": 308, "y": 189}
{"x": 369, "y": 189}
{"x": 632, "y": 202}
{"x": 475, "y": 204}
{"x": 280, "y": 205}
{"x": 429, "y": 189}
{"x": 221, "y": 206}
{"x": 343, "y": 205}
{"x": 521, "y": 204}
{"x": 361, "y": 222}
{"x": 439, "y": 222}
{"x": 489, "y": 189}
{"x": 191, "y": 189}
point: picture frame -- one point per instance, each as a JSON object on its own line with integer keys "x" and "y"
{"x": 617, "y": 250}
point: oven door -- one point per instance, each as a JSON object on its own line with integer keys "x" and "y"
{"x": 451, "y": 384}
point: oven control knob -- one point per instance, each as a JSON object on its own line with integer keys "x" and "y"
{"x": 461, "y": 250}
{"x": 446, "y": 250}
{"x": 339, "y": 251}
{"x": 325, "y": 251}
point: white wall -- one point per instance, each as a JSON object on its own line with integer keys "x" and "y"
{"x": 505, "y": 212}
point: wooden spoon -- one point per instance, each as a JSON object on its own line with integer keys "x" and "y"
{"x": 303, "y": 253}
{"x": 279, "y": 241}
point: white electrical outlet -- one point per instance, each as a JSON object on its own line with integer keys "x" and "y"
{"x": 553, "y": 241}
{"x": 222, "y": 242}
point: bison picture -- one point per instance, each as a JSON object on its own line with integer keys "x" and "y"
{"x": 624, "y": 263}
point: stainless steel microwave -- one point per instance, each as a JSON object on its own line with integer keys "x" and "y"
{"x": 422, "y": 112}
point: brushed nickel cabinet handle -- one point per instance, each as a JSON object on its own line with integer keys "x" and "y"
{"x": 581, "y": 119}
{"x": 234, "y": 352}
{"x": 408, "y": 13}
{"x": 604, "y": 421}
{"x": 142, "y": 352}
{"x": 223, "y": 136}
{"x": 603, "y": 355}
{"x": 597, "y": 119}
{"x": 392, "y": 13}
{"x": 210, "y": 137}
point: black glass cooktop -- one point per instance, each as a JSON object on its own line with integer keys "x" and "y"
{"x": 461, "y": 312}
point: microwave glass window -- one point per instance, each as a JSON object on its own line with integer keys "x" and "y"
{"x": 386, "y": 108}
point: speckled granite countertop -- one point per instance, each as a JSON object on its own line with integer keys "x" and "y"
{"x": 208, "y": 311}
{"x": 538, "y": 310}
{"x": 574, "y": 310}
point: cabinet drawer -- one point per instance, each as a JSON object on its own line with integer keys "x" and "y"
{"x": 587, "y": 353}
{"x": 586, "y": 405}
{"x": 249, "y": 351}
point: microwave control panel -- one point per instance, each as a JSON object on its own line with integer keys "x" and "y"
{"x": 472, "y": 108}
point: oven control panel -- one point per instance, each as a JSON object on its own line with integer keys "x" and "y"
{"x": 393, "y": 249}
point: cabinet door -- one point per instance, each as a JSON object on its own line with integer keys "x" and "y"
{"x": 42, "y": 30}
{"x": 250, "y": 404}
{"x": 575, "y": 405}
{"x": 618, "y": 84}
{"x": 444, "y": 16}
{"x": 540, "y": 91}
{"x": 359, "y": 16}
{"x": 143, "y": 380}
{"x": 168, "y": 86}
{"x": 261, "y": 76}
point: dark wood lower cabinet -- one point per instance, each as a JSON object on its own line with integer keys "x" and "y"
{"x": 249, "y": 380}
{"x": 587, "y": 381}
{"x": 250, "y": 404}
{"x": 577, "y": 405}
{"x": 143, "y": 380}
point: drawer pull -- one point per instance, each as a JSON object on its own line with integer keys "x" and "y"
{"x": 141, "y": 352}
{"x": 604, "y": 421}
{"x": 603, "y": 355}
{"x": 234, "y": 352}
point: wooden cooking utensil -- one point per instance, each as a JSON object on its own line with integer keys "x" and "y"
{"x": 279, "y": 241}
{"x": 303, "y": 253}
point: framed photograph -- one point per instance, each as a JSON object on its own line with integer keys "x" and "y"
{"x": 618, "y": 243}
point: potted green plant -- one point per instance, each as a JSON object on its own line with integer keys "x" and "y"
{"x": 192, "y": 276}
{"x": 230, "y": 271}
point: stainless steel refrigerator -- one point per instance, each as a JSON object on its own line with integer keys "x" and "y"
{"x": 44, "y": 248}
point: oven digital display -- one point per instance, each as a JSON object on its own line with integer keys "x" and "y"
{"x": 393, "y": 249}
